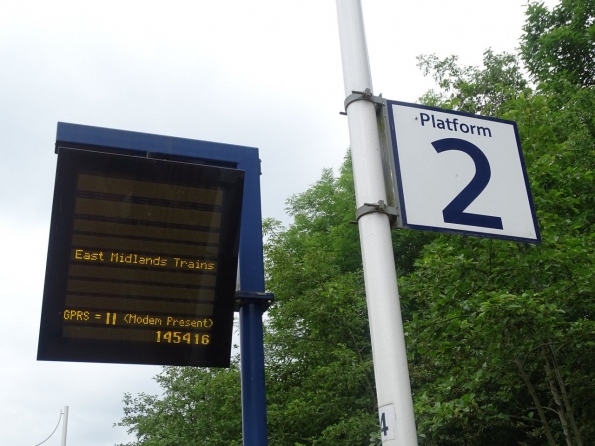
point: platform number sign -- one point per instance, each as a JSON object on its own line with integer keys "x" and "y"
{"x": 461, "y": 173}
{"x": 388, "y": 422}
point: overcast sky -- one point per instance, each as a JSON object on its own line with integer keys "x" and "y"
{"x": 259, "y": 73}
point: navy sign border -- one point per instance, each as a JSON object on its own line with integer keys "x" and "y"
{"x": 402, "y": 205}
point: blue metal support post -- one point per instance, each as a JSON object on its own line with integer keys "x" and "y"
{"x": 254, "y": 423}
{"x": 252, "y": 302}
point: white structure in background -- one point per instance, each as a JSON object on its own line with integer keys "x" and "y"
{"x": 64, "y": 426}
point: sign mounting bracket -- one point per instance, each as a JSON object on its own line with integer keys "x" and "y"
{"x": 365, "y": 95}
{"x": 381, "y": 207}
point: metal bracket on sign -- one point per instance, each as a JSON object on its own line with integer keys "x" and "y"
{"x": 365, "y": 95}
{"x": 381, "y": 207}
{"x": 248, "y": 297}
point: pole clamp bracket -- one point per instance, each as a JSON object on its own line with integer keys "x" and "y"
{"x": 381, "y": 207}
{"x": 365, "y": 95}
{"x": 265, "y": 300}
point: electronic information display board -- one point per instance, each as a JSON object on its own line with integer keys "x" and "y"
{"x": 142, "y": 261}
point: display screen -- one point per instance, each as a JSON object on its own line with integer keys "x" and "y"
{"x": 142, "y": 261}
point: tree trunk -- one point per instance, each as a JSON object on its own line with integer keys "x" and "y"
{"x": 573, "y": 425}
{"x": 538, "y": 406}
{"x": 556, "y": 394}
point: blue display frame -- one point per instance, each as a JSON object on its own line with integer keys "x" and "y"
{"x": 253, "y": 300}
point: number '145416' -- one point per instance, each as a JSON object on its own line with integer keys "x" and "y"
{"x": 180, "y": 337}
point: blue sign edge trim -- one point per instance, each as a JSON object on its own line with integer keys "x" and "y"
{"x": 403, "y": 209}
{"x": 251, "y": 261}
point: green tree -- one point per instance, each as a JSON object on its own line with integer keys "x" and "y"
{"x": 198, "y": 406}
{"x": 502, "y": 342}
{"x": 320, "y": 384}
{"x": 319, "y": 360}
{"x": 559, "y": 44}
{"x": 472, "y": 89}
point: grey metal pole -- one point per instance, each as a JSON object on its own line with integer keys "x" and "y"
{"x": 64, "y": 426}
{"x": 393, "y": 390}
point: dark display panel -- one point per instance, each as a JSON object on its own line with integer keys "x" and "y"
{"x": 142, "y": 261}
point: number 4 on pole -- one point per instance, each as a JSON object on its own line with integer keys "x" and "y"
{"x": 383, "y": 426}
{"x": 388, "y": 422}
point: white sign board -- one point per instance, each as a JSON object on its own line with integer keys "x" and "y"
{"x": 462, "y": 173}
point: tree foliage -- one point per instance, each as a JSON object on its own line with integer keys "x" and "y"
{"x": 472, "y": 89}
{"x": 559, "y": 44}
{"x": 198, "y": 407}
{"x": 320, "y": 380}
{"x": 502, "y": 344}
{"x": 319, "y": 360}
{"x": 500, "y": 335}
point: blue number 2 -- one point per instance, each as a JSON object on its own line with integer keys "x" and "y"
{"x": 454, "y": 212}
